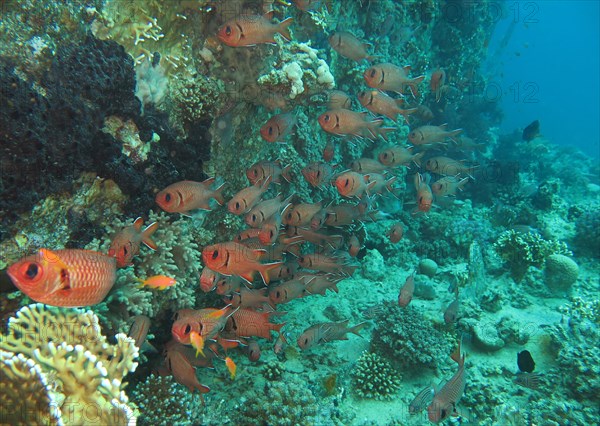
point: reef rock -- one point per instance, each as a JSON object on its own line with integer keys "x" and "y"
{"x": 560, "y": 273}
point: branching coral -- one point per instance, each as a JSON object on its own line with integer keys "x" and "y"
{"x": 162, "y": 401}
{"x": 522, "y": 250}
{"x": 374, "y": 377}
{"x": 408, "y": 339}
{"x": 80, "y": 374}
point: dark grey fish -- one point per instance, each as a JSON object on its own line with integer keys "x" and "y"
{"x": 422, "y": 400}
{"x": 532, "y": 131}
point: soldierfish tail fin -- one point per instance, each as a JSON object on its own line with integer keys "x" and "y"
{"x": 460, "y": 185}
{"x": 458, "y": 355}
{"x": 413, "y": 85}
{"x": 218, "y": 194}
{"x": 265, "y": 267}
{"x": 357, "y": 328}
{"x": 283, "y": 28}
{"x": 285, "y": 173}
{"x": 417, "y": 158}
{"x": 147, "y": 234}
{"x": 452, "y": 135}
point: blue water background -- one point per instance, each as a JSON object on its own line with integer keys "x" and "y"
{"x": 544, "y": 64}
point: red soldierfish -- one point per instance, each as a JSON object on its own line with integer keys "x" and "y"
{"x": 180, "y": 366}
{"x": 399, "y": 156}
{"x": 327, "y": 332}
{"x": 407, "y": 290}
{"x": 208, "y": 279}
{"x": 438, "y": 83}
{"x": 248, "y": 197}
{"x": 248, "y": 30}
{"x": 352, "y": 184}
{"x": 347, "y": 45}
{"x": 126, "y": 243}
{"x": 70, "y": 277}
{"x": 428, "y": 135}
{"x": 392, "y": 78}
{"x": 336, "y": 99}
{"x": 448, "y": 167}
{"x": 278, "y": 127}
{"x": 261, "y": 170}
{"x": 380, "y": 103}
{"x": 366, "y": 166}
{"x": 395, "y": 233}
{"x": 445, "y": 399}
{"x": 448, "y": 185}
{"x": 318, "y": 173}
{"x": 424, "y": 195}
{"x": 343, "y": 122}
{"x": 236, "y": 259}
{"x": 249, "y": 323}
{"x": 187, "y": 195}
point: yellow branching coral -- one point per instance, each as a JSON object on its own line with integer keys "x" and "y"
{"x": 60, "y": 357}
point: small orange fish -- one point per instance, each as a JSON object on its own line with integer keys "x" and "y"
{"x": 429, "y": 135}
{"x": 352, "y": 184}
{"x": 231, "y": 367}
{"x": 424, "y": 195}
{"x": 70, "y": 277}
{"x": 187, "y": 195}
{"x": 407, "y": 290}
{"x": 126, "y": 244}
{"x": 197, "y": 343}
{"x": 380, "y": 103}
{"x": 249, "y": 30}
{"x": 336, "y": 99}
{"x": 248, "y": 197}
{"x": 328, "y": 151}
{"x": 437, "y": 83}
{"x": 261, "y": 170}
{"x": 159, "y": 282}
{"x": 343, "y": 122}
{"x": 347, "y": 45}
{"x": 395, "y": 233}
{"x": 392, "y": 78}
{"x": 236, "y": 259}
{"x": 278, "y": 127}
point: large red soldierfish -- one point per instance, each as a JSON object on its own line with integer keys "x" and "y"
{"x": 445, "y": 399}
{"x": 187, "y": 195}
{"x": 424, "y": 195}
{"x": 327, "y": 332}
{"x": 126, "y": 243}
{"x": 248, "y": 197}
{"x": 70, "y": 277}
{"x": 428, "y": 135}
{"x": 343, "y": 122}
{"x": 347, "y": 45}
{"x": 380, "y": 103}
{"x": 236, "y": 259}
{"x": 248, "y": 30}
{"x": 278, "y": 127}
{"x": 392, "y": 78}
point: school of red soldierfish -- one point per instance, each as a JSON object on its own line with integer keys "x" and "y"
{"x": 265, "y": 265}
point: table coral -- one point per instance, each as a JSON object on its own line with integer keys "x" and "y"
{"x": 78, "y": 369}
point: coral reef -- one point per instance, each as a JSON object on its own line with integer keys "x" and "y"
{"x": 560, "y": 272}
{"x": 162, "y": 402}
{"x": 522, "y": 250}
{"x": 374, "y": 377}
{"x": 587, "y": 238}
{"x": 407, "y": 339}
{"x": 80, "y": 373}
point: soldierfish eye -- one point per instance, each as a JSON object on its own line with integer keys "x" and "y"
{"x": 237, "y": 205}
{"x": 215, "y": 254}
{"x": 125, "y": 251}
{"x": 346, "y": 183}
{"x": 372, "y": 73}
{"x": 168, "y": 197}
{"x": 253, "y": 218}
{"x": 270, "y": 131}
{"x": 32, "y": 270}
{"x": 187, "y": 329}
{"x": 327, "y": 117}
{"x": 228, "y": 30}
